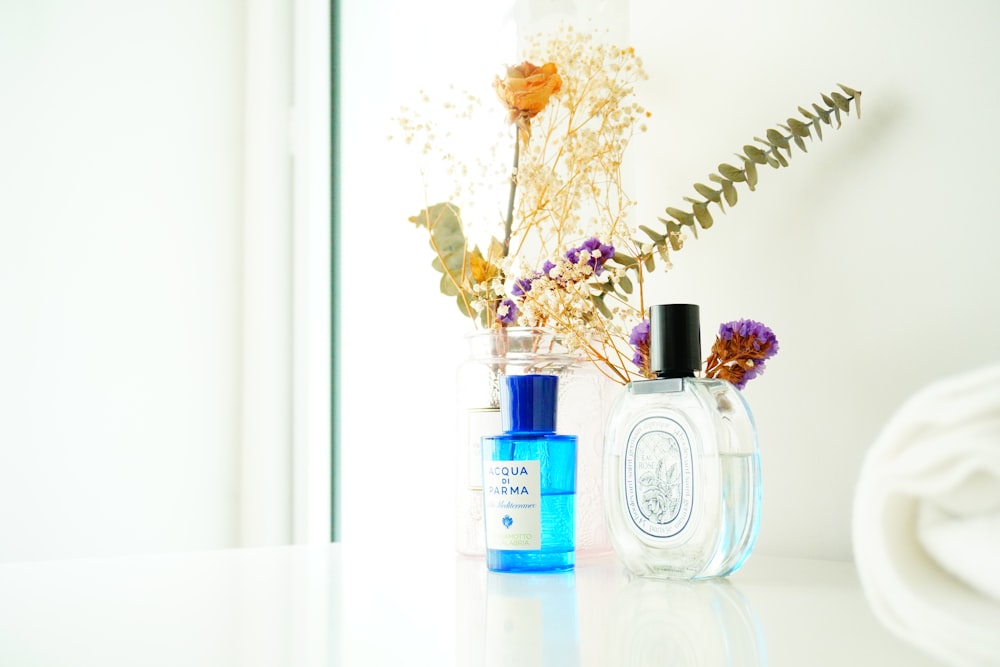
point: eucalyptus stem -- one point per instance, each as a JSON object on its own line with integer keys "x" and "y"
{"x": 769, "y": 153}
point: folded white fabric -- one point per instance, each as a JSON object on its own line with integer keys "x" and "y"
{"x": 926, "y": 520}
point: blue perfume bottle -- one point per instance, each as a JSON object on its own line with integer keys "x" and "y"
{"x": 529, "y": 481}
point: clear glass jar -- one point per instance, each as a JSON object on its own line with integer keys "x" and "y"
{"x": 585, "y": 397}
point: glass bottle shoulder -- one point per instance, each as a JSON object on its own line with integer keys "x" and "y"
{"x": 712, "y": 410}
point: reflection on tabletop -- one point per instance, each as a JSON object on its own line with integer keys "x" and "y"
{"x": 775, "y": 611}
{"x": 599, "y": 615}
{"x": 344, "y": 605}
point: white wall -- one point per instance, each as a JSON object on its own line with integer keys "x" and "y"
{"x": 120, "y": 244}
{"x": 873, "y": 257}
{"x": 164, "y": 275}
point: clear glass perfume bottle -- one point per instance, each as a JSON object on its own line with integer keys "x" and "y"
{"x": 682, "y": 476}
{"x": 529, "y": 481}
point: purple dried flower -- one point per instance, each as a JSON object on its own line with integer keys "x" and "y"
{"x": 640, "y": 334}
{"x": 639, "y": 339}
{"x": 598, "y": 253}
{"x": 507, "y": 312}
{"x": 740, "y": 350}
{"x": 522, "y": 286}
{"x": 758, "y": 335}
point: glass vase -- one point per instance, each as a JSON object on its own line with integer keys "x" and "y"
{"x": 585, "y": 398}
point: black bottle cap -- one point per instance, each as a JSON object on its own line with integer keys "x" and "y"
{"x": 674, "y": 340}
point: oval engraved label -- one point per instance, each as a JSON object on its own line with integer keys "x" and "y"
{"x": 659, "y": 483}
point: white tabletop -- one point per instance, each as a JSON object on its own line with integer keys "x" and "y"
{"x": 351, "y": 605}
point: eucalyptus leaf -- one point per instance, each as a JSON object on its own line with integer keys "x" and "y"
{"x": 707, "y": 192}
{"x": 448, "y": 240}
{"x": 624, "y": 260}
{"x": 777, "y": 138}
{"x": 850, "y": 91}
{"x": 854, "y": 95}
{"x": 674, "y": 230}
{"x": 650, "y": 263}
{"x": 656, "y": 237}
{"x": 440, "y": 213}
{"x": 800, "y": 142}
{"x": 451, "y": 257}
{"x": 732, "y": 173}
{"x": 703, "y": 216}
{"x": 463, "y": 305}
{"x": 447, "y": 285}
{"x": 751, "y": 172}
{"x": 680, "y": 216}
{"x": 755, "y": 154}
{"x": 729, "y": 190}
{"x": 626, "y": 284}
{"x": 454, "y": 260}
{"x": 798, "y": 128}
{"x": 824, "y": 114}
{"x": 601, "y": 306}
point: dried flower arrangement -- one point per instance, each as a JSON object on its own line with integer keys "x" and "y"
{"x": 562, "y": 254}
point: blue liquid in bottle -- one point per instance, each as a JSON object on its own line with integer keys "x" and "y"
{"x": 529, "y": 482}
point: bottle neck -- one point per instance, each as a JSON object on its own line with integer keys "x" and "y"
{"x": 669, "y": 375}
{"x": 540, "y": 434}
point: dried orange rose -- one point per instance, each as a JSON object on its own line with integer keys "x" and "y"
{"x": 526, "y": 90}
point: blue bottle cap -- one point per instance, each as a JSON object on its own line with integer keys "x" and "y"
{"x": 528, "y": 403}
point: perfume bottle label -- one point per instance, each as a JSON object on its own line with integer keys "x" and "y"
{"x": 480, "y": 422}
{"x": 513, "y": 502}
{"x": 659, "y": 479}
